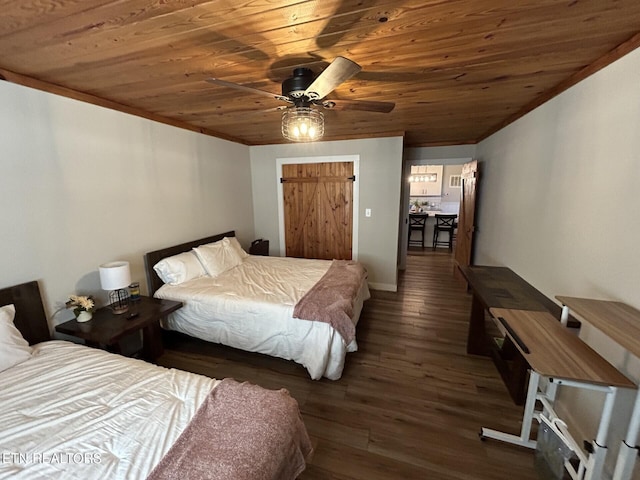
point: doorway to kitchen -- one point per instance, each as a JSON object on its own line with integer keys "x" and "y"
{"x": 430, "y": 187}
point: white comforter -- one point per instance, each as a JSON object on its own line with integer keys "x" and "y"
{"x": 250, "y": 307}
{"x": 72, "y": 412}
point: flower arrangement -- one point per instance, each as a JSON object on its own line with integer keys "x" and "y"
{"x": 80, "y": 303}
{"x": 416, "y": 206}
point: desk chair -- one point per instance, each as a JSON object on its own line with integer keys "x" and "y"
{"x": 444, "y": 223}
{"x": 417, "y": 223}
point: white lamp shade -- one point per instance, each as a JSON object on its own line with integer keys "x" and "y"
{"x": 115, "y": 275}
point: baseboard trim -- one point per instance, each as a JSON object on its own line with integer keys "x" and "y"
{"x": 387, "y": 287}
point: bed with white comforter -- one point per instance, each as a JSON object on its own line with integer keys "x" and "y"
{"x": 251, "y": 306}
{"x": 68, "y": 411}
{"x": 76, "y": 413}
{"x": 79, "y": 413}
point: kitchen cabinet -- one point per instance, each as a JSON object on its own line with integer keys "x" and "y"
{"x": 426, "y": 181}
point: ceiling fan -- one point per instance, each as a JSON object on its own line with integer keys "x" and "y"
{"x": 304, "y": 90}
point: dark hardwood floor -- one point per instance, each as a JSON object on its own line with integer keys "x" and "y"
{"x": 410, "y": 403}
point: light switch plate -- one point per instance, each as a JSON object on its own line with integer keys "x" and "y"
{"x": 367, "y": 212}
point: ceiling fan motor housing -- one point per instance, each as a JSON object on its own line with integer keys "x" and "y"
{"x": 295, "y": 86}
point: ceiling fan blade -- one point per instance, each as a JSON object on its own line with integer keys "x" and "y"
{"x": 338, "y": 71}
{"x": 362, "y": 105}
{"x": 255, "y": 91}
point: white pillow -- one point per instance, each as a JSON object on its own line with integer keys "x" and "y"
{"x": 13, "y": 348}
{"x": 217, "y": 257}
{"x": 179, "y": 268}
{"x": 235, "y": 244}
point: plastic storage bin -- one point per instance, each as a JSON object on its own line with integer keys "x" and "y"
{"x": 552, "y": 452}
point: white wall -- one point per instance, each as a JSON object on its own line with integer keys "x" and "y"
{"x": 450, "y": 194}
{"x": 380, "y": 173}
{"x": 81, "y": 185}
{"x": 559, "y": 203}
{"x": 446, "y": 155}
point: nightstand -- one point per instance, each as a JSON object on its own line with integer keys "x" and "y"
{"x": 106, "y": 329}
{"x": 259, "y": 247}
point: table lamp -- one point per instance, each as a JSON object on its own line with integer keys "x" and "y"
{"x": 116, "y": 277}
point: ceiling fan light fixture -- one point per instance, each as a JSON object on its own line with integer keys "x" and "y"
{"x": 302, "y": 124}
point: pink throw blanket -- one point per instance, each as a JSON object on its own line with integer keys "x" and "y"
{"x": 331, "y": 300}
{"x": 240, "y": 432}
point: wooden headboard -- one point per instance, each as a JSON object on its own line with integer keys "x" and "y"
{"x": 151, "y": 258}
{"x": 30, "y": 318}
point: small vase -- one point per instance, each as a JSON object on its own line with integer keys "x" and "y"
{"x": 84, "y": 316}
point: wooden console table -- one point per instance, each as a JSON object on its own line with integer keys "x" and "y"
{"x": 501, "y": 287}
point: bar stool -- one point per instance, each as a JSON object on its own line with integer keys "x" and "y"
{"x": 417, "y": 223}
{"x": 444, "y": 223}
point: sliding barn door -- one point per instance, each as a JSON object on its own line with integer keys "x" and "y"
{"x": 318, "y": 209}
{"x": 466, "y": 217}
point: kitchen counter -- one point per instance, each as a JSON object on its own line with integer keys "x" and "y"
{"x": 432, "y": 212}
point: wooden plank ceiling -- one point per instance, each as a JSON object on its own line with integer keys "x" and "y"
{"x": 457, "y": 69}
